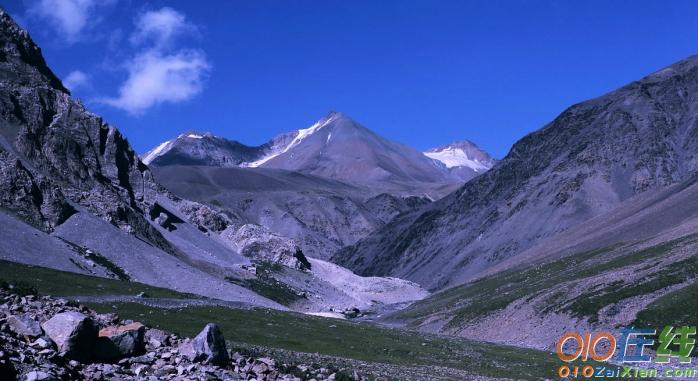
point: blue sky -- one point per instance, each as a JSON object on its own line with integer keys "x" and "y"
{"x": 423, "y": 73}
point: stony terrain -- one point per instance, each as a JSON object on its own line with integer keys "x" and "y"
{"x": 43, "y": 338}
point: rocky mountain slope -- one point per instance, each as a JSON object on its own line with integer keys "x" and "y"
{"x": 324, "y": 187}
{"x": 590, "y": 159}
{"x": 75, "y": 196}
{"x": 464, "y": 159}
{"x": 633, "y": 266}
{"x": 196, "y": 148}
{"x": 320, "y": 215}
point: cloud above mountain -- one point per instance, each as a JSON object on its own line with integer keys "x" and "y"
{"x": 155, "y": 78}
{"x": 161, "y": 71}
{"x": 70, "y": 18}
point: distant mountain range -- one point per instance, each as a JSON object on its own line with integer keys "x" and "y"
{"x": 325, "y": 186}
{"x": 335, "y": 147}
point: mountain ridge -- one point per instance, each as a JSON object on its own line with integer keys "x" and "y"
{"x": 593, "y": 156}
{"x": 335, "y": 146}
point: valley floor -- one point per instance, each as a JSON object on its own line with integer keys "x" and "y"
{"x": 292, "y": 337}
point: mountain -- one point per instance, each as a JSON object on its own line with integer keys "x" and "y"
{"x": 321, "y": 215}
{"x": 324, "y": 187}
{"x": 338, "y": 148}
{"x": 464, "y": 159}
{"x": 74, "y": 196}
{"x": 73, "y": 187}
{"x": 196, "y": 148}
{"x": 588, "y": 161}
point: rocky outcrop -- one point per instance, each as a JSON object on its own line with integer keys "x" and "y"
{"x": 56, "y": 157}
{"x": 117, "y": 342}
{"x": 258, "y": 243}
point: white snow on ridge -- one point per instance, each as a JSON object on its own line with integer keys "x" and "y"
{"x": 195, "y": 136}
{"x": 156, "y": 152}
{"x": 456, "y": 157}
{"x": 300, "y": 136}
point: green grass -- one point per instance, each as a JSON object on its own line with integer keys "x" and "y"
{"x": 365, "y": 342}
{"x": 63, "y": 283}
{"x": 589, "y": 304}
{"x": 266, "y": 285}
{"x": 676, "y": 308}
{"x": 485, "y": 296}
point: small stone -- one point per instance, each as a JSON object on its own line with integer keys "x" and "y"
{"x": 41, "y": 343}
{"x": 24, "y": 325}
{"x": 36, "y": 375}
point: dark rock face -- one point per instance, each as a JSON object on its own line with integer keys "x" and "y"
{"x": 74, "y": 333}
{"x": 54, "y": 154}
{"x": 587, "y": 161}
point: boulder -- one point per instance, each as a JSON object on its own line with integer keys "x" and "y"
{"x": 74, "y": 334}
{"x": 24, "y": 325}
{"x": 208, "y": 346}
{"x": 117, "y": 342}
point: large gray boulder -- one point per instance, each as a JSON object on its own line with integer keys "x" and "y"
{"x": 74, "y": 334}
{"x": 24, "y": 325}
{"x": 208, "y": 346}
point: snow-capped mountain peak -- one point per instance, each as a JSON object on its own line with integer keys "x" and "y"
{"x": 282, "y": 145}
{"x": 462, "y": 154}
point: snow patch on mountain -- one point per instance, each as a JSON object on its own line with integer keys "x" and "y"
{"x": 462, "y": 154}
{"x": 300, "y": 135}
{"x": 456, "y": 157}
{"x": 156, "y": 152}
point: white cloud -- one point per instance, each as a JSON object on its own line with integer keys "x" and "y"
{"x": 160, "y": 27}
{"x": 155, "y": 78}
{"x": 75, "y": 79}
{"x": 69, "y": 17}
